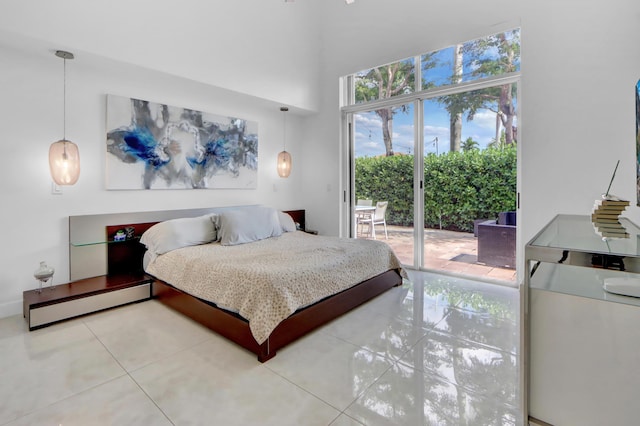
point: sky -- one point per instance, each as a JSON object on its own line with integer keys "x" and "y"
{"x": 482, "y": 129}
{"x": 368, "y": 131}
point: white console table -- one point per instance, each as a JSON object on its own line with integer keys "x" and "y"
{"x": 581, "y": 354}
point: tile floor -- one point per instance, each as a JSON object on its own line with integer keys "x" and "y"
{"x": 436, "y": 351}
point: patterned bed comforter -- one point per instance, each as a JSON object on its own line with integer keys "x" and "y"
{"x": 268, "y": 280}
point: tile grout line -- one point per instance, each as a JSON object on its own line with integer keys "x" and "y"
{"x": 76, "y": 393}
{"x": 341, "y": 412}
{"x": 127, "y": 373}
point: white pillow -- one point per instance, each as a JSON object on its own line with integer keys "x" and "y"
{"x": 245, "y": 225}
{"x": 288, "y": 225}
{"x": 176, "y": 233}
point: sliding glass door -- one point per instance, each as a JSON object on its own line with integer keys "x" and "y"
{"x": 436, "y": 180}
{"x": 470, "y": 177}
{"x": 383, "y": 175}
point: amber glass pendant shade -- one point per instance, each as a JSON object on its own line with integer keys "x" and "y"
{"x": 64, "y": 156}
{"x": 284, "y": 164}
{"x": 64, "y": 162}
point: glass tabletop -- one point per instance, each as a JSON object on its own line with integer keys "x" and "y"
{"x": 578, "y": 233}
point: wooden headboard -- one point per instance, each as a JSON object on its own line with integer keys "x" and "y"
{"x": 126, "y": 256}
{"x": 298, "y": 217}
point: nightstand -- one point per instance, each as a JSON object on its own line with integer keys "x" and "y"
{"x": 82, "y": 297}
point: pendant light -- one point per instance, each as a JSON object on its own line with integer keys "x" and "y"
{"x": 284, "y": 158}
{"x": 64, "y": 157}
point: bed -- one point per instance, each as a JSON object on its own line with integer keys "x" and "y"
{"x": 257, "y": 278}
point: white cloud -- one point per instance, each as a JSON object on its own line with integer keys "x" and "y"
{"x": 431, "y": 132}
{"x": 485, "y": 118}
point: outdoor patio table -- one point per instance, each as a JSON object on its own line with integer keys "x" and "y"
{"x": 364, "y": 213}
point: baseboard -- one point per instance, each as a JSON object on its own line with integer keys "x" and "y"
{"x": 9, "y": 309}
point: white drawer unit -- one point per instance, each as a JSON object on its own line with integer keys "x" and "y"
{"x": 581, "y": 342}
{"x": 82, "y": 297}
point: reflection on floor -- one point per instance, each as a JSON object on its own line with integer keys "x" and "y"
{"x": 436, "y": 351}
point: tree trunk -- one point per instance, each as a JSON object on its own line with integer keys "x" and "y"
{"x": 508, "y": 112}
{"x": 387, "y": 129}
{"x": 455, "y": 132}
{"x": 455, "y": 119}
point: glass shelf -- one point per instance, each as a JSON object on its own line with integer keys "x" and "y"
{"x": 574, "y": 232}
{"x": 95, "y": 243}
{"x": 567, "y": 256}
{"x": 577, "y": 281}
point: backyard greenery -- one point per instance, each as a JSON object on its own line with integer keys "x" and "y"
{"x": 459, "y": 187}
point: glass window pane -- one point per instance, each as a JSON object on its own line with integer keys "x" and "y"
{"x": 437, "y": 68}
{"x": 485, "y": 57}
{"x": 470, "y": 178}
{"x": 492, "y": 55}
{"x": 383, "y": 177}
{"x": 471, "y": 120}
{"x": 385, "y": 81}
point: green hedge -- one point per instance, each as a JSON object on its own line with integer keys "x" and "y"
{"x": 459, "y": 186}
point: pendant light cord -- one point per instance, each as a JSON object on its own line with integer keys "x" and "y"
{"x": 64, "y": 100}
{"x": 284, "y": 133}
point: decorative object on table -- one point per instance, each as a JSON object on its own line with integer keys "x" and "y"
{"x": 43, "y": 274}
{"x": 606, "y": 218}
{"x": 284, "y": 158}
{"x": 130, "y": 231}
{"x": 157, "y": 146}
{"x": 120, "y": 235}
{"x": 64, "y": 156}
{"x": 606, "y": 213}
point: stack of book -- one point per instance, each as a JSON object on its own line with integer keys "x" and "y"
{"x": 606, "y": 217}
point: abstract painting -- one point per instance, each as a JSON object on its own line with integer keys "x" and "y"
{"x": 157, "y": 146}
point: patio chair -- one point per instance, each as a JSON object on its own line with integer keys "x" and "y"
{"x": 378, "y": 218}
{"x": 364, "y": 215}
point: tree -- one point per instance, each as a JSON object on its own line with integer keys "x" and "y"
{"x": 469, "y": 145}
{"x": 497, "y": 99}
{"x": 488, "y": 56}
{"x": 385, "y": 82}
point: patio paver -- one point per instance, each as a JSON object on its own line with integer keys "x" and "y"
{"x": 444, "y": 250}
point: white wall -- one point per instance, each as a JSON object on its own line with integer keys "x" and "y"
{"x": 266, "y": 48}
{"x": 580, "y": 68}
{"x": 34, "y": 222}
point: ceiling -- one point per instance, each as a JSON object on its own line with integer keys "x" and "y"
{"x": 270, "y": 49}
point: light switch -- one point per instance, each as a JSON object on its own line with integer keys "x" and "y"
{"x": 56, "y": 189}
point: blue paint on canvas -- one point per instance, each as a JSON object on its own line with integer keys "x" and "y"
{"x": 180, "y": 148}
{"x": 140, "y": 143}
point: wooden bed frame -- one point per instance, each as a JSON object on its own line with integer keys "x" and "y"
{"x": 233, "y": 326}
